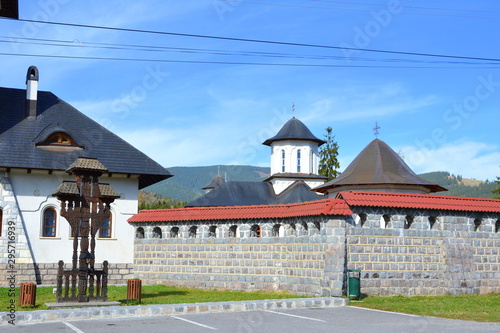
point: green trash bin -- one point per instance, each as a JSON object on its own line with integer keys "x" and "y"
{"x": 354, "y": 284}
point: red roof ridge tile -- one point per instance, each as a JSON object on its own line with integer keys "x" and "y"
{"x": 319, "y": 207}
{"x": 420, "y": 201}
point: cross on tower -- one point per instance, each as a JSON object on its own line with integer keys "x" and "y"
{"x": 293, "y": 109}
{"x": 375, "y": 130}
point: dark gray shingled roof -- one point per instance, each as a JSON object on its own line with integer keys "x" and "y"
{"x": 214, "y": 183}
{"x": 295, "y": 176}
{"x": 297, "y": 192}
{"x": 18, "y": 137}
{"x": 238, "y": 193}
{"x": 378, "y": 164}
{"x": 294, "y": 129}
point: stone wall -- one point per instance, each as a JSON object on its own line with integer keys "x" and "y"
{"x": 46, "y": 274}
{"x": 400, "y": 252}
{"x": 454, "y": 256}
{"x": 305, "y": 260}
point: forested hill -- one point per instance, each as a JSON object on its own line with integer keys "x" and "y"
{"x": 461, "y": 187}
{"x": 187, "y": 181}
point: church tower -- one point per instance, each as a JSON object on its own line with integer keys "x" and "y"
{"x": 294, "y": 156}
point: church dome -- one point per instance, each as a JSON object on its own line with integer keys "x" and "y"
{"x": 294, "y": 129}
{"x": 378, "y": 167}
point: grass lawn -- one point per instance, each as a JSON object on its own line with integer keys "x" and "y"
{"x": 151, "y": 295}
{"x": 465, "y": 307}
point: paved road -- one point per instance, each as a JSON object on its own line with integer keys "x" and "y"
{"x": 341, "y": 319}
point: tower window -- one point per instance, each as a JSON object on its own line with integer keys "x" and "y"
{"x": 282, "y": 160}
{"x": 298, "y": 160}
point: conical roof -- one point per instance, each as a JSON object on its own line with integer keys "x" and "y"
{"x": 214, "y": 183}
{"x": 294, "y": 129}
{"x": 378, "y": 164}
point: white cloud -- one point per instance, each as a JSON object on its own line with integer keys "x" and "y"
{"x": 470, "y": 159}
{"x": 359, "y": 102}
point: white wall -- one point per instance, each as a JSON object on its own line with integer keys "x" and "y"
{"x": 33, "y": 192}
{"x": 309, "y": 156}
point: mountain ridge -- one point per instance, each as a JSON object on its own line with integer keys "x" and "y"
{"x": 187, "y": 183}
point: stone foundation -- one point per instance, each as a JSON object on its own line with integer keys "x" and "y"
{"x": 46, "y": 274}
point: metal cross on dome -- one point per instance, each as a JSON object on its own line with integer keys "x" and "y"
{"x": 375, "y": 130}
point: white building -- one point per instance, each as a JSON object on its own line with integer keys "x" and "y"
{"x": 40, "y": 136}
{"x": 294, "y": 171}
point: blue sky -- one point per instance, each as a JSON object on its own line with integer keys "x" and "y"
{"x": 440, "y": 113}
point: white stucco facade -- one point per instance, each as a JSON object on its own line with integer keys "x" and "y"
{"x": 294, "y": 156}
{"x": 32, "y": 195}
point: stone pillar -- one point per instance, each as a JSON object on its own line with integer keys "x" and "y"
{"x": 335, "y": 258}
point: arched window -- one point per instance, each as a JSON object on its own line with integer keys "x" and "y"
{"x": 1, "y": 220}
{"x": 497, "y": 225}
{"x": 139, "y": 233}
{"x": 157, "y": 232}
{"x": 174, "y": 232}
{"x": 385, "y": 221}
{"x": 49, "y": 223}
{"x": 59, "y": 141}
{"x": 432, "y": 221}
{"x": 477, "y": 224}
{"x": 298, "y": 160}
{"x": 276, "y": 230}
{"x": 304, "y": 228}
{"x": 361, "y": 219}
{"x": 192, "y": 232}
{"x": 408, "y": 221}
{"x": 105, "y": 231}
{"x": 212, "y": 231}
{"x": 233, "y": 230}
{"x": 255, "y": 231}
{"x": 282, "y": 160}
{"x": 317, "y": 228}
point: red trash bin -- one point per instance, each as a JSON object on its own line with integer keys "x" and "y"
{"x": 134, "y": 289}
{"x": 27, "y": 294}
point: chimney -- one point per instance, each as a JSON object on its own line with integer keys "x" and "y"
{"x": 31, "y": 92}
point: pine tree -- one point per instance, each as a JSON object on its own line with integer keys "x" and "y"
{"x": 497, "y": 191}
{"x": 328, "y": 152}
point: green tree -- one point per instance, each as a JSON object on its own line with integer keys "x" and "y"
{"x": 497, "y": 190}
{"x": 328, "y": 152}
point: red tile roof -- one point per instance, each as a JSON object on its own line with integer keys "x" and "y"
{"x": 419, "y": 201}
{"x": 311, "y": 208}
{"x": 339, "y": 206}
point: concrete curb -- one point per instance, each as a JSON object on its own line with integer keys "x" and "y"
{"x": 23, "y": 317}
